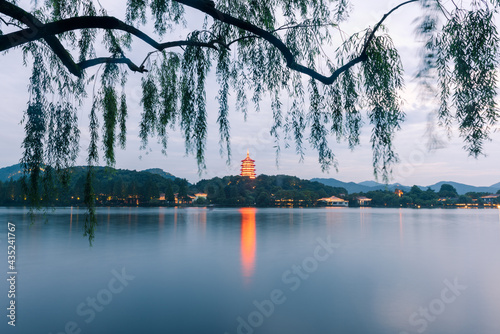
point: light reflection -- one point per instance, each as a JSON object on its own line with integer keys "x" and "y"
{"x": 201, "y": 219}
{"x": 175, "y": 220}
{"x": 129, "y": 218}
{"x": 161, "y": 218}
{"x": 70, "y": 221}
{"x": 362, "y": 222}
{"x": 248, "y": 242}
{"x": 401, "y": 233}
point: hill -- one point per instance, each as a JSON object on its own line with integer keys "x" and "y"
{"x": 13, "y": 172}
{"x": 161, "y": 172}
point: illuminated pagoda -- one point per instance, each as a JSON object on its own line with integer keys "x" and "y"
{"x": 248, "y": 167}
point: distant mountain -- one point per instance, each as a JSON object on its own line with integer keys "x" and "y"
{"x": 351, "y": 187}
{"x": 160, "y": 172}
{"x": 13, "y": 172}
{"x": 465, "y": 188}
{"x": 366, "y": 186}
{"x": 370, "y": 184}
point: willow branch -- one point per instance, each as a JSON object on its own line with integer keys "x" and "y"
{"x": 47, "y": 31}
{"x": 37, "y": 30}
{"x": 110, "y": 60}
{"x": 10, "y": 23}
{"x": 33, "y": 23}
{"x": 372, "y": 35}
{"x": 208, "y": 7}
{"x": 88, "y": 22}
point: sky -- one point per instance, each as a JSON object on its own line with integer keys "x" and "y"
{"x": 418, "y": 165}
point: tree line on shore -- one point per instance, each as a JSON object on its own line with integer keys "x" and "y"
{"x": 447, "y": 196}
{"x": 125, "y": 187}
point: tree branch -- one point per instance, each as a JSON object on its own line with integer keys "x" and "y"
{"x": 208, "y": 7}
{"x": 110, "y": 60}
{"x": 37, "y": 30}
{"x": 87, "y": 22}
{"x": 33, "y": 23}
{"x": 372, "y": 35}
{"x": 10, "y": 23}
{"x": 47, "y": 31}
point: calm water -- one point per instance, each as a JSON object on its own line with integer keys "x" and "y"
{"x": 166, "y": 270}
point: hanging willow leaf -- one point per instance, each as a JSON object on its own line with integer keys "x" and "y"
{"x": 122, "y": 119}
{"x": 110, "y": 110}
{"x": 471, "y": 42}
{"x": 382, "y": 77}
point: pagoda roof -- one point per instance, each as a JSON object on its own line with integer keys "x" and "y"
{"x": 248, "y": 158}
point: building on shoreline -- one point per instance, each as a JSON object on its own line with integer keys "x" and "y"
{"x": 363, "y": 201}
{"x": 491, "y": 198}
{"x": 334, "y": 201}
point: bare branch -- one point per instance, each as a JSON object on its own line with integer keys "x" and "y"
{"x": 372, "y": 35}
{"x": 110, "y": 60}
{"x": 10, "y": 23}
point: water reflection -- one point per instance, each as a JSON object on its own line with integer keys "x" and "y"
{"x": 109, "y": 212}
{"x": 129, "y": 218}
{"x": 161, "y": 219}
{"x": 401, "y": 233}
{"x": 248, "y": 242}
{"x": 369, "y": 286}
{"x": 175, "y": 220}
{"x": 201, "y": 220}
{"x": 70, "y": 221}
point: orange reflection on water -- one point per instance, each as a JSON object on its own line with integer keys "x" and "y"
{"x": 161, "y": 219}
{"x": 201, "y": 219}
{"x": 248, "y": 242}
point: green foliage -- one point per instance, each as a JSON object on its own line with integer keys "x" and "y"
{"x": 110, "y": 109}
{"x": 447, "y": 190}
{"x": 382, "y": 73}
{"x": 470, "y": 43}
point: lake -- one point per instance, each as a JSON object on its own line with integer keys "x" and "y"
{"x": 197, "y": 270}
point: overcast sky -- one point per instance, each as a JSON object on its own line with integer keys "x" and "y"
{"x": 419, "y": 166}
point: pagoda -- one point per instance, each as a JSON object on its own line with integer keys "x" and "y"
{"x": 248, "y": 167}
